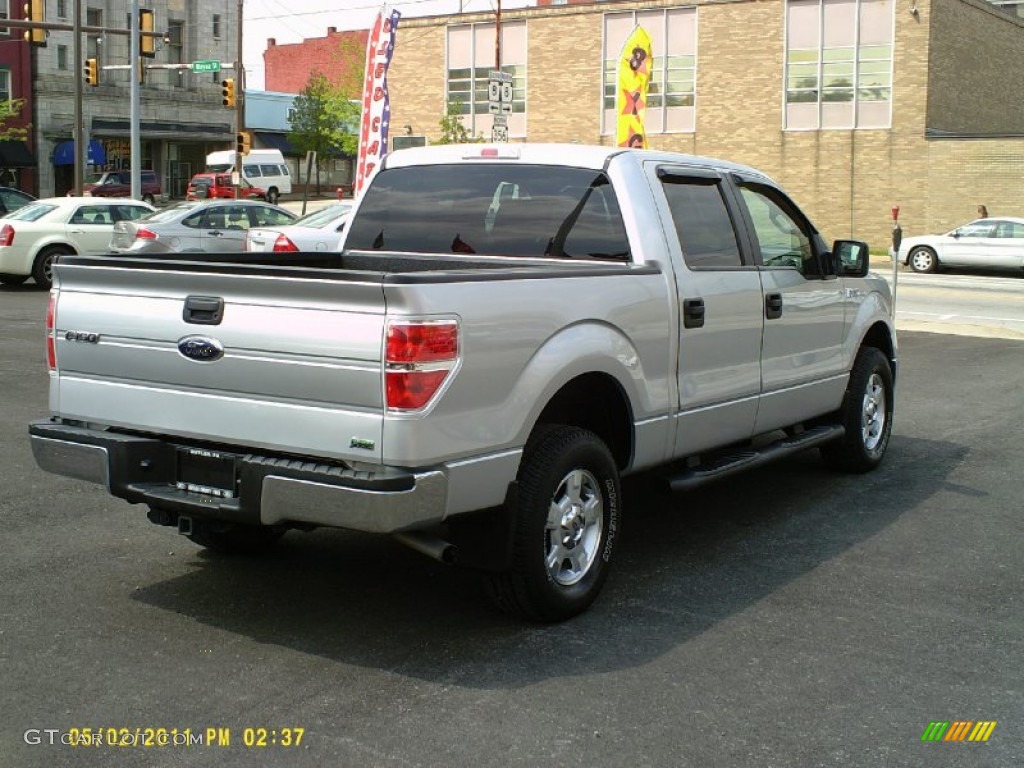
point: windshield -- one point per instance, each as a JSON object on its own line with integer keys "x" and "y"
{"x": 94, "y": 178}
{"x": 168, "y": 214}
{"x": 501, "y": 209}
{"x": 32, "y": 212}
{"x": 220, "y": 167}
{"x": 324, "y": 216}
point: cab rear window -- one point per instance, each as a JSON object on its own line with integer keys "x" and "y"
{"x": 529, "y": 211}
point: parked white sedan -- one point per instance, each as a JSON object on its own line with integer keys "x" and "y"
{"x": 996, "y": 243}
{"x": 316, "y": 231}
{"x": 33, "y": 236}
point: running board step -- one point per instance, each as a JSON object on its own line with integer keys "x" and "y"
{"x": 740, "y": 462}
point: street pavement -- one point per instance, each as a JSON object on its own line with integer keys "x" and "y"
{"x": 789, "y": 617}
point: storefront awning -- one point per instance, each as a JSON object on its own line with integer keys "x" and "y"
{"x": 15, "y": 154}
{"x": 64, "y": 153}
{"x": 274, "y": 140}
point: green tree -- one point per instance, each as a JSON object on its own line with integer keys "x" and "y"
{"x": 8, "y": 111}
{"x": 325, "y": 121}
{"x": 452, "y": 129}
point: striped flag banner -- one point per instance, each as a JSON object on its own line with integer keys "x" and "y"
{"x": 634, "y": 76}
{"x": 373, "y": 128}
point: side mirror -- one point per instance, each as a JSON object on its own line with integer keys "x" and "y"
{"x": 851, "y": 258}
{"x": 955, "y": 233}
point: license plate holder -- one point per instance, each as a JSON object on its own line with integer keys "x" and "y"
{"x": 208, "y": 473}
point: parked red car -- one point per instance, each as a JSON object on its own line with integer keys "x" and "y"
{"x": 211, "y": 186}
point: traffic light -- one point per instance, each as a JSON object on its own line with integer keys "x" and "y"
{"x": 35, "y": 10}
{"x": 92, "y": 72}
{"x": 227, "y": 92}
{"x": 243, "y": 142}
{"x": 147, "y": 44}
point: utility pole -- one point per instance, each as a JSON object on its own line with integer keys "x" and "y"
{"x": 239, "y": 101}
{"x": 135, "y": 139}
{"x": 78, "y": 132}
{"x": 497, "y": 38}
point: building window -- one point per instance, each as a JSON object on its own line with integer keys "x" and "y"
{"x": 93, "y": 43}
{"x": 5, "y": 85}
{"x": 62, "y": 9}
{"x": 838, "y": 64}
{"x": 62, "y": 57}
{"x": 292, "y": 112}
{"x": 176, "y": 42}
{"x": 216, "y": 26}
{"x": 672, "y": 91}
{"x": 5, "y": 13}
{"x": 471, "y": 59}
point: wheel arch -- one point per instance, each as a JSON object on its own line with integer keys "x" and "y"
{"x": 880, "y": 336}
{"x": 597, "y": 402}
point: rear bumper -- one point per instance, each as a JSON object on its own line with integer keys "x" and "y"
{"x": 266, "y": 490}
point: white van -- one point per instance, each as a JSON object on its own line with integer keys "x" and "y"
{"x": 263, "y": 168}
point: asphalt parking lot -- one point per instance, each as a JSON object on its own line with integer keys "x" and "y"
{"x": 791, "y": 617}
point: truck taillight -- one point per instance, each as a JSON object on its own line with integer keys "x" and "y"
{"x": 51, "y": 332}
{"x": 7, "y": 235}
{"x": 284, "y": 245}
{"x": 418, "y": 357}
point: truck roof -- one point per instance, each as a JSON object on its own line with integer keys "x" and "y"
{"x": 578, "y": 155}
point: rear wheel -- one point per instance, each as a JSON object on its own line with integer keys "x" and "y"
{"x": 567, "y": 518}
{"x": 272, "y": 196}
{"x": 42, "y": 268}
{"x": 234, "y": 538}
{"x": 866, "y": 413}
{"x": 9, "y": 279}
{"x": 923, "y": 259}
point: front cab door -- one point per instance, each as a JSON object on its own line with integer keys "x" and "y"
{"x": 803, "y": 372}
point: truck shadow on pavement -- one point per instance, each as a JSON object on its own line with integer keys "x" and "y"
{"x": 685, "y": 563}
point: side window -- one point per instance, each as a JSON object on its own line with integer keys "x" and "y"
{"x": 194, "y": 221}
{"x": 270, "y": 170}
{"x": 252, "y": 171}
{"x": 91, "y": 214}
{"x": 976, "y": 230}
{"x": 268, "y": 217}
{"x": 702, "y": 222}
{"x": 129, "y": 212}
{"x": 783, "y": 237}
{"x": 1009, "y": 229}
{"x": 237, "y": 217}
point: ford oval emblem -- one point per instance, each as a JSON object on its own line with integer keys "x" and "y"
{"x": 200, "y": 348}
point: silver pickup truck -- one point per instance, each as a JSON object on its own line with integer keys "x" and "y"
{"x": 505, "y": 332}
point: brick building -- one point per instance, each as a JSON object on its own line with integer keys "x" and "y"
{"x": 289, "y": 66}
{"x": 181, "y": 114}
{"x": 17, "y": 160}
{"x": 854, "y": 105}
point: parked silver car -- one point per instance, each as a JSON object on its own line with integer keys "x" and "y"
{"x": 996, "y": 243}
{"x": 316, "y": 231}
{"x": 213, "y": 226}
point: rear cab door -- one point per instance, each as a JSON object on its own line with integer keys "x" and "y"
{"x": 224, "y": 228}
{"x": 90, "y": 227}
{"x": 803, "y": 369}
{"x": 719, "y": 304}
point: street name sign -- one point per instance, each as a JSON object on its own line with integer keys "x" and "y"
{"x": 206, "y": 66}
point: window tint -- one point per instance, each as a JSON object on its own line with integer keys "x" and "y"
{"x": 555, "y": 212}
{"x": 782, "y": 238}
{"x": 702, "y": 222}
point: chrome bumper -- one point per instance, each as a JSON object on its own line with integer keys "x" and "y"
{"x": 267, "y": 491}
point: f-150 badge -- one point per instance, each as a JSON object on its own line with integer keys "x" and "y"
{"x": 200, "y": 348}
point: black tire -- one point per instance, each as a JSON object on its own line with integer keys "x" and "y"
{"x": 923, "y": 259}
{"x": 234, "y": 538}
{"x": 866, "y": 413}
{"x": 149, "y": 199}
{"x": 273, "y": 196}
{"x": 8, "y": 279}
{"x": 42, "y": 267}
{"x": 574, "y": 467}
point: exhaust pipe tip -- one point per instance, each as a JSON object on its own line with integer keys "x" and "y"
{"x": 432, "y": 546}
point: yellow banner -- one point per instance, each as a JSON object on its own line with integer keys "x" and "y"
{"x": 635, "y": 63}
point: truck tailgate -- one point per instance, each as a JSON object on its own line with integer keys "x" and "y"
{"x": 300, "y": 369}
